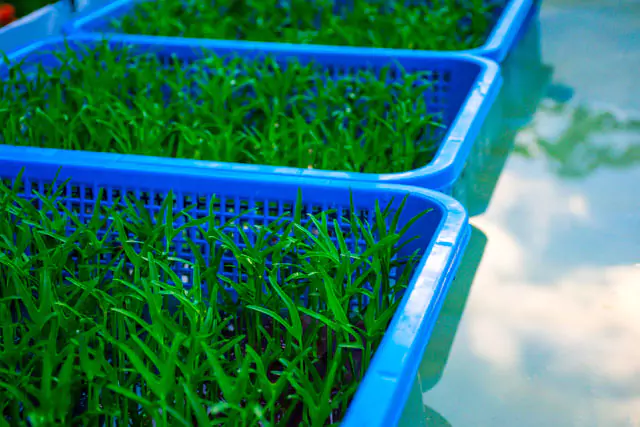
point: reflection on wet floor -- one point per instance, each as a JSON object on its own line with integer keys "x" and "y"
{"x": 416, "y": 414}
{"x": 512, "y": 110}
{"x": 437, "y": 352}
{"x": 578, "y": 139}
{"x": 542, "y": 325}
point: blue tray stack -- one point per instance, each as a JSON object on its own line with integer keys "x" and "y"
{"x": 464, "y": 88}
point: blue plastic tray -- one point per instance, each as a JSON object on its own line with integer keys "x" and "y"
{"x": 500, "y": 41}
{"x": 86, "y": 6}
{"x": 443, "y": 235}
{"x": 463, "y": 90}
{"x": 44, "y": 22}
{"x": 39, "y": 24}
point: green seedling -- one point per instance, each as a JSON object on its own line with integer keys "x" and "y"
{"x": 123, "y": 317}
{"x": 226, "y": 109}
{"x": 397, "y": 24}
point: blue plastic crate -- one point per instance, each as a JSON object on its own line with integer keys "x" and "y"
{"x": 45, "y": 22}
{"x": 87, "y": 6}
{"x": 42, "y": 23}
{"x": 463, "y": 89}
{"x": 507, "y": 23}
{"x": 442, "y": 236}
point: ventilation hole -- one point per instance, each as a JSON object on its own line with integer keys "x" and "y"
{"x": 144, "y": 198}
{"x": 273, "y": 209}
{"x": 202, "y": 203}
{"x": 88, "y": 193}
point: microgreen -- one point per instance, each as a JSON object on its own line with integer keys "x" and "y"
{"x": 224, "y": 109}
{"x": 185, "y": 316}
{"x": 399, "y": 24}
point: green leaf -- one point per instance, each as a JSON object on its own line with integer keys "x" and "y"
{"x": 195, "y": 404}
